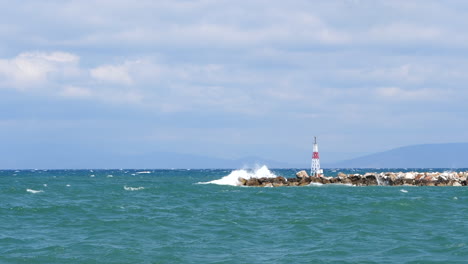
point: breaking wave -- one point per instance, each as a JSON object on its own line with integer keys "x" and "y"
{"x": 233, "y": 178}
{"x": 34, "y": 191}
{"x": 133, "y": 188}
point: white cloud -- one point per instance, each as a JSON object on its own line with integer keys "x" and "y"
{"x": 31, "y": 69}
{"x": 112, "y": 73}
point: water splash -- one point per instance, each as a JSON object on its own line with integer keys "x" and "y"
{"x": 233, "y": 178}
{"x": 377, "y": 177}
{"x": 381, "y": 180}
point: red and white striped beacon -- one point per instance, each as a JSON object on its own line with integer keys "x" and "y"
{"x": 315, "y": 167}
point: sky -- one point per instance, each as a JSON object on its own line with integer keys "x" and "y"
{"x": 230, "y": 79}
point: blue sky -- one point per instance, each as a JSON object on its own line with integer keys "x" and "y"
{"x": 231, "y": 79}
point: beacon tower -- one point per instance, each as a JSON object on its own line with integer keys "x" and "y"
{"x": 315, "y": 167}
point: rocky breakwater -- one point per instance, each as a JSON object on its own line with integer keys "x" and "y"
{"x": 384, "y": 178}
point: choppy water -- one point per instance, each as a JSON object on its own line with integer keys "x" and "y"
{"x": 165, "y": 216}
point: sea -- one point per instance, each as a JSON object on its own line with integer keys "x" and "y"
{"x": 200, "y": 216}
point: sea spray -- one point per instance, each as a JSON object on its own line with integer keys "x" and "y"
{"x": 233, "y": 178}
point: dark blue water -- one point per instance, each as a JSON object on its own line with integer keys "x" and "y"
{"x": 165, "y": 216}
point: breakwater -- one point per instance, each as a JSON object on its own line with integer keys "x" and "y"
{"x": 367, "y": 179}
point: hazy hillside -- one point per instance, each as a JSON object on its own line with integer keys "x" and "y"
{"x": 452, "y": 155}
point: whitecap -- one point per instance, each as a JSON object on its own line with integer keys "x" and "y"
{"x": 109, "y": 176}
{"x": 315, "y": 184}
{"x": 233, "y": 178}
{"x": 133, "y": 188}
{"x": 34, "y": 191}
{"x": 143, "y": 172}
{"x": 403, "y": 191}
{"x": 92, "y": 175}
{"x": 68, "y": 185}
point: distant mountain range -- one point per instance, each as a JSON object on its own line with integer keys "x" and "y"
{"x": 450, "y": 155}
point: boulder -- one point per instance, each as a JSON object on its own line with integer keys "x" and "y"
{"x": 304, "y": 182}
{"x": 325, "y": 180}
{"x": 408, "y": 181}
{"x": 371, "y": 179}
{"x": 342, "y": 176}
{"x": 333, "y": 180}
{"x": 409, "y": 176}
{"x": 392, "y": 176}
{"x": 429, "y": 178}
{"x": 253, "y": 182}
{"x": 242, "y": 181}
{"x": 315, "y": 179}
{"x": 302, "y": 174}
{"x": 292, "y": 180}
{"x": 346, "y": 181}
{"x": 357, "y": 179}
{"x": 280, "y": 180}
{"x": 419, "y": 176}
{"x": 456, "y": 184}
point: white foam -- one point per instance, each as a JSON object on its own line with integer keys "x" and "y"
{"x": 133, "y": 188}
{"x": 109, "y": 176}
{"x": 233, "y": 178}
{"x": 315, "y": 184}
{"x": 403, "y": 191}
{"x": 144, "y": 172}
{"x": 34, "y": 191}
{"x": 68, "y": 185}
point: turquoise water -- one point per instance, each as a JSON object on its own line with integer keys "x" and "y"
{"x": 165, "y": 216}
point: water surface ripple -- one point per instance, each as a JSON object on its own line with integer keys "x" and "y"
{"x": 165, "y": 216}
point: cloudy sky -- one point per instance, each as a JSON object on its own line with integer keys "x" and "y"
{"x": 231, "y": 79}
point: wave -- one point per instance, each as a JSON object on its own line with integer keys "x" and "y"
{"x": 233, "y": 178}
{"x": 133, "y": 188}
{"x": 34, "y": 191}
